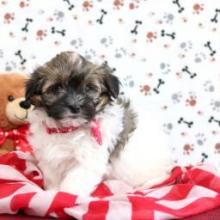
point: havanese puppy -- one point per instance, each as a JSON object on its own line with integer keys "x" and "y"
{"x": 82, "y": 132}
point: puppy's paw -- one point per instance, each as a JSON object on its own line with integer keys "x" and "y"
{"x": 77, "y": 189}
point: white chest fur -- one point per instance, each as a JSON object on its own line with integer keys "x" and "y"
{"x": 59, "y": 153}
{"x": 75, "y": 162}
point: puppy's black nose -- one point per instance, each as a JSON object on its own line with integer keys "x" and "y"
{"x": 74, "y": 109}
{"x": 25, "y": 104}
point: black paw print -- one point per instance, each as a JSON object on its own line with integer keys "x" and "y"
{"x": 59, "y": 15}
{"x": 119, "y": 53}
{"x": 168, "y": 18}
{"x": 186, "y": 46}
{"x": 176, "y": 97}
{"x": 199, "y": 57}
{"x": 76, "y": 43}
{"x": 10, "y": 65}
{"x": 208, "y": 86}
{"x": 165, "y": 68}
{"x": 106, "y": 41}
{"x": 200, "y": 139}
{"x": 1, "y": 54}
{"x": 215, "y": 105}
{"x": 90, "y": 54}
{"x": 128, "y": 81}
{"x": 168, "y": 127}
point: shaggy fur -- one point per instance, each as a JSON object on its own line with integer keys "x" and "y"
{"x": 69, "y": 90}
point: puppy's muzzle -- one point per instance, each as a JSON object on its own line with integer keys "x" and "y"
{"x": 74, "y": 109}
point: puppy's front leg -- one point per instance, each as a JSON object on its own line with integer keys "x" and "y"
{"x": 80, "y": 181}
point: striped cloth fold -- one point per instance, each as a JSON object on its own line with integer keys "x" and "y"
{"x": 188, "y": 191}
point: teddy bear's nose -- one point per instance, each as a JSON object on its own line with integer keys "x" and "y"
{"x": 25, "y": 104}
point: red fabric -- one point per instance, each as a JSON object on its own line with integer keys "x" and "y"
{"x": 188, "y": 191}
{"x": 18, "y": 136}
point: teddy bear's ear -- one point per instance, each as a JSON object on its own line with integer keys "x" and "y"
{"x": 34, "y": 90}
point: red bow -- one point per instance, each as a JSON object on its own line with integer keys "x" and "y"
{"x": 95, "y": 130}
{"x": 18, "y": 137}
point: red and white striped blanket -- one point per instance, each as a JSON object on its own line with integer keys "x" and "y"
{"x": 188, "y": 191}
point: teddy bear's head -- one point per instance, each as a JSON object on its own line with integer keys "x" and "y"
{"x": 13, "y": 111}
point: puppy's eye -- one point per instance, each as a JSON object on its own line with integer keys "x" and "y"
{"x": 56, "y": 88}
{"x": 11, "y": 98}
{"x": 91, "y": 88}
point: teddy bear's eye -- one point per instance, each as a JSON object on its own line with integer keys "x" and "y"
{"x": 11, "y": 98}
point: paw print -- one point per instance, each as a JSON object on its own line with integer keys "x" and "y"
{"x": 106, "y": 41}
{"x": 168, "y": 127}
{"x": 187, "y": 149}
{"x": 118, "y": 4}
{"x": 119, "y": 53}
{"x": 168, "y": 18}
{"x": 1, "y": 54}
{"x": 165, "y": 68}
{"x": 23, "y": 4}
{"x": 191, "y": 101}
{"x": 199, "y": 57}
{"x": 134, "y": 4}
{"x": 208, "y": 86}
{"x": 128, "y": 81}
{"x": 215, "y": 105}
{"x": 33, "y": 57}
{"x": 186, "y": 46}
{"x": 87, "y": 5}
{"x": 151, "y": 36}
{"x": 77, "y": 43}
{"x": 9, "y": 66}
{"x": 176, "y": 97}
{"x": 217, "y": 148}
{"x": 59, "y": 15}
{"x": 41, "y": 34}
{"x": 89, "y": 54}
{"x": 197, "y": 8}
{"x": 145, "y": 89}
{"x": 201, "y": 139}
{"x": 40, "y": 12}
{"x": 8, "y": 18}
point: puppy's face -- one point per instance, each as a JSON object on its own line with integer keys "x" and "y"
{"x": 69, "y": 86}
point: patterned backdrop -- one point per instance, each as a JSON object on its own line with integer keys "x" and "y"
{"x": 166, "y": 52}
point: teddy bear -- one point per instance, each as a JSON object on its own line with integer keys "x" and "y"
{"x": 13, "y": 113}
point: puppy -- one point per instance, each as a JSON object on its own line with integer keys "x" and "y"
{"x": 82, "y": 132}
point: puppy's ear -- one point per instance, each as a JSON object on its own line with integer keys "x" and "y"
{"x": 33, "y": 90}
{"x": 112, "y": 85}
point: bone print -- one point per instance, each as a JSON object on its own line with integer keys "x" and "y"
{"x": 103, "y": 13}
{"x": 105, "y": 63}
{"x": 18, "y": 53}
{"x": 204, "y": 157}
{"x": 160, "y": 82}
{"x": 215, "y": 18}
{"x": 180, "y": 8}
{"x": 171, "y": 35}
{"x": 186, "y": 69}
{"x": 61, "y": 32}
{"x": 71, "y": 6}
{"x": 212, "y": 119}
{"x": 188, "y": 123}
{"x": 28, "y": 21}
{"x": 134, "y": 30}
{"x": 208, "y": 45}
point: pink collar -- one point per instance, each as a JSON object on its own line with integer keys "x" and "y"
{"x": 94, "y": 126}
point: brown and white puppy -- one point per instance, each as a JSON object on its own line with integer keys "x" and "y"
{"x": 82, "y": 131}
